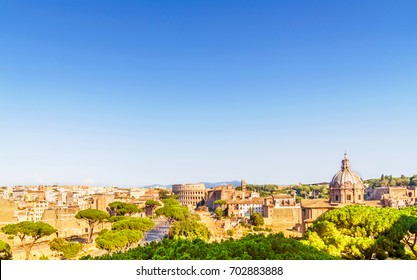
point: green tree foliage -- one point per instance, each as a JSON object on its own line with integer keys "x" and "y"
{"x": 389, "y": 181}
{"x": 113, "y": 219}
{"x": 195, "y": 217}
{"x": 125, "y": 233}
{"x": 189, "y": 228}
{"x": 312, "y": 191}
{"x": 172, "y": 210}
{"x": 57, "y": 244}
{"x": 257, "y": 219}
{"x": 69, "y": 250}
{"x": 219, "y": 202}
{"x": 111, "y": 241}
{"x": 142, "y": 224}
{"x": 123, "y": 208}
{"x": 92, "y": 217}
{"x": 219, "y": 213}
{"x": 364, "y": 232}
{"x": 171, "y": 202}
{"x": 266, "y": 190}
{"x": 26, "y": 230}
{"x": 133, "y": 236}
{"x": 184, "y": 224}
{"x": 151, "y": 205}
{"x": 118, "y": 240}
{"x": 103, "y": 231}
{"x": 250, "y": 247}
{"x": 405, "y": 229}
{"x": 5, "y": 251}
{"x": 165, "y": 194}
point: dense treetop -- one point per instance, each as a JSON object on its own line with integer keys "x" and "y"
{"x": 92, "y": 217}
{"x": 257, "y": 219}
{"x": 142, "y": 224}
{"x": 390, "y": 181}
{"x": 189, "y": 228}
{"x": 123, "y": 208}
{"x": 172, "y": 210}
{"x": 365, "y": 232}
{"x": 251, "y": 247}
{"x": 153, "y": 203}
{"x": 5, "y": 251}
{"x": 69, "y": 250}
{"x": 118, "y": 240}
{"x": 220, "y": 202}
{"x": 29, "y": 233}
{"x": 25, "y": 229}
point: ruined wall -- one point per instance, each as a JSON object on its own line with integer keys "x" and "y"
{"x": 284, "y": 217}
{"x": 7, "y": 209}
{"x": 63, "y": 219}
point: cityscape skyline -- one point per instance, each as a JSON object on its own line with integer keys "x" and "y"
{"x": 132, "y": 94}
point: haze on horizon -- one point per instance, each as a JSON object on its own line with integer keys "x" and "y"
{"x": 159, "y": 92}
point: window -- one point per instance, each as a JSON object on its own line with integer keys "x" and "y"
{"x": 349, "y": 197}
{"x": 337, "y": 198}
{"x": 359, "y": 197}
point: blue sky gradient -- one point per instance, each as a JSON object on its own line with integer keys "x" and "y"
{"x": 131, "y": 93}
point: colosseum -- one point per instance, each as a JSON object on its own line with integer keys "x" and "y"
{"x": 190, "y": 194}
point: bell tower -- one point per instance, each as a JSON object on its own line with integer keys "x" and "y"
{"x": 243, "y": 185}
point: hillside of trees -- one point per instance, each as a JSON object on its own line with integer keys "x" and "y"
{"x": 250, "y": 247}
{"x": 265, "y": 190}
{"x": 302, "y": 191}
{"x": 389, "y": 181}
{"x": 311, "y": 191}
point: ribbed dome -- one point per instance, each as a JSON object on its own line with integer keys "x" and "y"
{"x": 345, "y": 175}
{"x": 346, "y": 186}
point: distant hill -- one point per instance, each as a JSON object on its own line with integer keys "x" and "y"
{"x": 157, "y": 186}
{"x": 212, "y": 185}
{"x": 207, "y": 184}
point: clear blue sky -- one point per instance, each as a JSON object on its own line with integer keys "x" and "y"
{"x": 131, "y": 93}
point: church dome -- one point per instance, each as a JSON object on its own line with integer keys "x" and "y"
{"x": 345, "y": 175}
{"x": 346, "y": 186}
